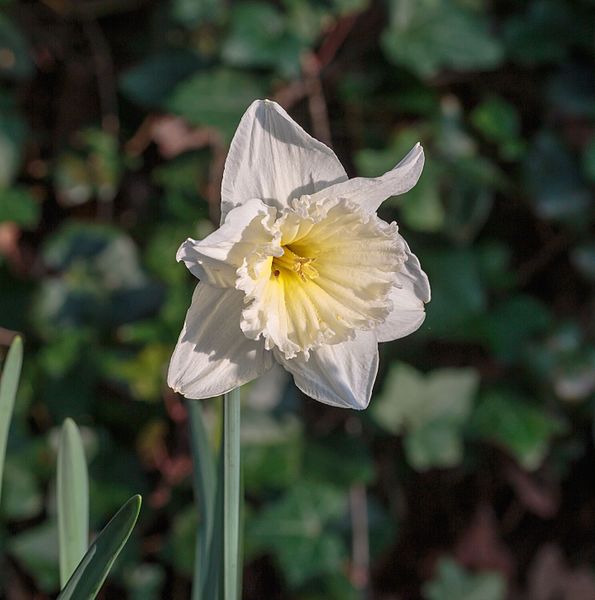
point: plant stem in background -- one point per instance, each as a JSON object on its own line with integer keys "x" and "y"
{"x": 231, "y": 496}
{"x": 205, "y": 484}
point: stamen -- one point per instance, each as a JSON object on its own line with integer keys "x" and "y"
{"x": 295, "y": 263}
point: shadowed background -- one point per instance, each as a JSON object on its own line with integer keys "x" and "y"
{"x": 471, "y": 475}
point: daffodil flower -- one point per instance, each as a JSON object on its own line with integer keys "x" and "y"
{"x": 301, "y": 271}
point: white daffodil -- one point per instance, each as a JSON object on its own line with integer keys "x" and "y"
{"x": 302, "y": 271}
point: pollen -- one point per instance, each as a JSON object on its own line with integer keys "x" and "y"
{"x": 292, "y": 262}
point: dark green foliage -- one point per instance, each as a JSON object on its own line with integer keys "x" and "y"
{"x": 114, "y": 123}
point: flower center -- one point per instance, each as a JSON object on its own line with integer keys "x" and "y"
{"x": 293, "y": 262}
{"x": 328, "y": 276}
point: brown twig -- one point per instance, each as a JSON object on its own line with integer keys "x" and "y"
{"x": 6, "y": 336}
{"x": 360, "y": 546}
{"x": 316, "y": 101}
{"x": 536, "y": 263}
{"x": 335, "y": 39}
{"x": 216, "y": 166}
{"x": 105, "y": 74}
{"x": 108, "y": 95}
{"x": 310, "y": 83}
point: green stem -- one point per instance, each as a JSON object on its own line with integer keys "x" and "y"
{"x": 231, "y": 497}
{"x": 205, "y": 484}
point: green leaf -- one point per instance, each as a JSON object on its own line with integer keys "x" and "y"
{"x": 180, "y": 550}
{"x": 431, "y": 410}
{"x": 97, "y": 280}
{"x": 271, "y": 451}
{"x": 22, "y": 498}
{"x": 298, "y": 530}
{"x": 19, "y": 206}
{"x": 93, "y": 569}
{"x": 499, "y": 122}
{"x": 93, "y": 171}
{"x": 16, "y": 62}
{"x": 571, "y": 92}
{"x": 511, "y": 422}
{"x": 546, "y": 32}
{"x": 343, "y": 459}
{"x": 258, "y": 38}
{"x": 427, "y": 36}
{"x": 497, "y": 119}
{"x": 553, "y": 178}
{"x": 191, "y": 13}
{"x": 583, "y": 258}
{"x": 149, "y": 83}
{"x": 458, "y": 295}
{"x": 145, "y": 581}
{"x": 452, "y": 581}
{"x": 335, "y": 586}
{"x": 13, "y": 133}
{"x": 589, "y": 160}
{"x": 9, "y": 382}
{"x": 36, "y": 550}
{"x": 436, "y": 444}
{"x": 72, "y": 500}
{"x": 512, "y": 324}
{"x": 216, "y": 98}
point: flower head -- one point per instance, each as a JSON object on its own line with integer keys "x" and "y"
{"x": 301, "y": 271}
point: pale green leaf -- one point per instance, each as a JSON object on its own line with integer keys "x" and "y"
{"x": 431, "y": 410}
{"x": 452, "y": 581}
{"x": 73, "y": 500}
{"x": 9, "y": 382}
{"x": 93, "y": 569}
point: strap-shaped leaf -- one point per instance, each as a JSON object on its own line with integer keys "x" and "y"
{"x": 94, "y": 568}
{"x": 9, "y": 382}
{"x": 73, "y": 500}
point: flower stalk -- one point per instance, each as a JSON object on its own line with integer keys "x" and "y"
{"x": 231, "y": 494}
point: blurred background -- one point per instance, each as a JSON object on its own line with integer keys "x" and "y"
{"x": 471, "y": 474}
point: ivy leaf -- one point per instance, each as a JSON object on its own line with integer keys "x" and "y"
{"x": 511, "y": 422}
{"x": 458, "y": 295}
{"x": 149, "y": 83}
{"x": 259, "y": 38}
{"x": 216, "y": 98}
{"x": 430, "y": 409}
{"x": 498, "y": 121}
{"x": 553, "y": 177}
{"x": 452, "y": 581}
{"x": 427, "y": 36}
{"x": 297, "y": 529}
{"x": 19, "y": 206}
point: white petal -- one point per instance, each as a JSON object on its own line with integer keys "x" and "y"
{"x": 212, "y": 355}
{"x": 370, "y": 193}
{"x": 341, "y": 374}
{"x": 216, "y": 258}
{"x": 274, "y": 159}
{"x": 408, "y": 299}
